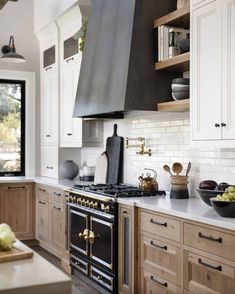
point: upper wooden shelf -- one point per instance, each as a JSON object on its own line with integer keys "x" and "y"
{"x": 178, "y": 18}
{"x": 174, "y": 106}
{"x": 177, "y": 63}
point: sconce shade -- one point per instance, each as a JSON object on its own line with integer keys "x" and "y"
{"x": 10, "y": 54}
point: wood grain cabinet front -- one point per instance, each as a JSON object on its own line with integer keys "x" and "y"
{"x": 42, "y": 220}
{"x": 17, "y": 208}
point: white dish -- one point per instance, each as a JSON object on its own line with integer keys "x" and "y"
{"x": 178, "y": 86}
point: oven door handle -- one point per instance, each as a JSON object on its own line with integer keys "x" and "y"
{"x": 92, "y": 237}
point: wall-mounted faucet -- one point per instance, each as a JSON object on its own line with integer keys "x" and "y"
{"x": 141, "y": 145}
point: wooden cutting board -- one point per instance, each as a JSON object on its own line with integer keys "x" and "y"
{"x": 101, "y": 169}
{"x": 14, "y": 254}
{"x": 114, "y": 150}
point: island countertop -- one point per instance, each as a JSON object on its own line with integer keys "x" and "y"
{"x": 35, "y": 275}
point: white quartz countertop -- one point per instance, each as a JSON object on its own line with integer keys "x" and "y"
{"x": 35, "y": 275}
{"x": 192, "y": 209}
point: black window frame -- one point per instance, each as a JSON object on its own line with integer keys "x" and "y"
{"x": 23, "y": 119}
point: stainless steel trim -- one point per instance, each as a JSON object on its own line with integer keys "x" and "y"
{"x": 110, "y": 287}
{"x": 70, "y": 243}
{"x": 92, "y": 210}
{"x": 111, "y": 245}
{"x": 80, "y": 261}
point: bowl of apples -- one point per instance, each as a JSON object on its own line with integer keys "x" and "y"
{"x": 224, "y": 204}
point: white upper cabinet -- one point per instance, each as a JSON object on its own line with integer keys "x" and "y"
{"x": 213, "y": 72}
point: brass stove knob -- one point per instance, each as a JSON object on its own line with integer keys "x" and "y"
{"x": 107, "y": 208}
{"x": 74, "y": 199}
{"x": 96, "y": 205}
{"x": 91, "y": 204}
{"x": 83, "y": 202}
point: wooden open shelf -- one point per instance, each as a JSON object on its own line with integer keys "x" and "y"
{"x": 178, "y": 18}
{"x": 177, "y": 63}
{"x": 174, "y": 106}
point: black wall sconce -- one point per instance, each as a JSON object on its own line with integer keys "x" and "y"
{"x": 9, "y": 53}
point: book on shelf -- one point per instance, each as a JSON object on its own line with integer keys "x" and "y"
{"x": 168, "y": 38}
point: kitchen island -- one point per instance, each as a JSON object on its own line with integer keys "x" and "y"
{"x": 35, "y": 275}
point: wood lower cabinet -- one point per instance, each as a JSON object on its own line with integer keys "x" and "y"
{"x": 51, "y": 220}
{"x": 127, "y": 252}
{"x": 17, "y": 209}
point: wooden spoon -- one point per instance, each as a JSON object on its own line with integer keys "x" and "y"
{"x": 188, "y": 168}
{"x": 167, "y": 169}
{"x": 177, "y": 168}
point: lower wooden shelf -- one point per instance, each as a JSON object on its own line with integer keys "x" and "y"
{"x": 177, "y": 63}
{"x": 177, "y": 106}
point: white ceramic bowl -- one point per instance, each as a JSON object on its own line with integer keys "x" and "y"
{"x": 178, "y": 86}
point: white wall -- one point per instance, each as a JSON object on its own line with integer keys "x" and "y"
{"x": 17, "y": 19}
{"x": 168, "y": 135}
{"x": 46, "y": 11}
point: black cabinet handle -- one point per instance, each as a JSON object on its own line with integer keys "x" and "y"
{"x": 69, "y": 59}
{"x": 156, "y": 281}
{"x": 223, "y": 125}
{"x": 57, "y": 194}
{"x": 48, "y": 136}
{"x": 217, "y": 268}
{"x": 217, "y": 125}
{"x": 41, "y": 202}
{"x": 57, "y": 208}
{"x": 42, "y": 190}
{"x": 15, "y": 187}
{"x": 158, "y": 223}
{"x": 69, "y": 134}
{"x": 200, "y": 235}
{"x": 48, "y": 68}
{"x": 158, "y": 246}
{"x": 124, "y": 212}
{"x": 49, "y": 167}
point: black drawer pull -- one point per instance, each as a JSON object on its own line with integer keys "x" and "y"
{"x": 57, "y": 208}
{"x": 70, "y": 59}
{"x": 41, "y": 202}
{"x": 57, "y": 194}
{"x": 158, "y": 223}
{"x": 42, "y": 190}
{"x": 223, "y": 125}
{"x": 15, "y": 187}
{"x": 217, "y": 125}
{"x": 49, "y": 167}
{"x": 50, "y": 67}
{"x": 217, "y": 268}
{"x": 200, "y": 235}
{"x": 69, "y": 134}
{"x": 158, "y": 246}
{"x": 156, "y": 281}
{"x": 48, "y": 136}
{"x": 124, "y": 212}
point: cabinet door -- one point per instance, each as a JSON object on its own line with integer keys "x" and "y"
{"x": 71, "y": 128}
{"x": 207, "y": 276}
{"x": 49, "y": 108}
{"x": 57, "y": 221}
{"x": 228, "y": 118}
{"x": 127, "y": 251}
{"x": 49, "y": 161}
{"x": 42, "y": 221}
{"x": 92, "y": 132}
{"x": 18, "y": 209}
{"x": 206, "y": 47}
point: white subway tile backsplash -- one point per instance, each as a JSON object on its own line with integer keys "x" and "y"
{"x": 168, "y": 135}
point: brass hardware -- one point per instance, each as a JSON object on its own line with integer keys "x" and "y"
{"x": 107, "y": 208}
{"x": 141, "y": 145}
{"x": 92, "y": 237}
{"x": 84, "y": 235}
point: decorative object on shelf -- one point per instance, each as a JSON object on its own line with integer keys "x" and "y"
{"x": 182, "y": 3}
{"x": 183, "y": 45}
{"x": 9, "y": 53}
{"x": 68, "y": 169}
{"x": 180, "y": 88}
{"x": 142, "y": 147}
{"x": 87, "y": 173}
{"x": 148, "y": 183}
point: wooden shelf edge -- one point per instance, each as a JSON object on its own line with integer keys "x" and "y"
{"x": 174, "y": 106}
{"x": 182, "y": 59}
{"x": 173, "y": 16}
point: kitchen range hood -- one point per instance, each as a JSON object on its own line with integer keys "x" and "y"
{"x": 117, "y": 71}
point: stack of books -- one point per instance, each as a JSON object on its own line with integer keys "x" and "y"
{"x": 168, "y": 38}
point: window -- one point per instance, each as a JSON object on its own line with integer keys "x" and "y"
{"x": 12, "y": 127}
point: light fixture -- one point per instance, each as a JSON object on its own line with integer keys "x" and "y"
{"x": 9, "y": 53}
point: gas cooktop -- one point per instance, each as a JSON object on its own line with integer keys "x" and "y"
{"x": 117, "y": 190}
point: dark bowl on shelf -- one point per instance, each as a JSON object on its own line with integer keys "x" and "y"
{"x": 207, "y": 194}
{"x": 223, "y": 208}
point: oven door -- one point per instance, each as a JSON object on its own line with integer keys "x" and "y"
{"x": 101, "y": 246}
{"x": 78, "y": 231}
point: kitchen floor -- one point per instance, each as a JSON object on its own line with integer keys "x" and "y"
{"x": 78, "y": 286}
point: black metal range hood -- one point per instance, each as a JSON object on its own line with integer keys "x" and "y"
{"x": 117, "y": 72}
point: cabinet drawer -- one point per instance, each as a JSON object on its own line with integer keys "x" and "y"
{"x": 159, "y": 225}
{"x": 210, "y": 240}
{"x": 42, "y": 192}
{"x": 56, "y": 195}
{"x": 160, "y": 258}
{"x": 206, "y": 276}
{"x": 152, "y": 284}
